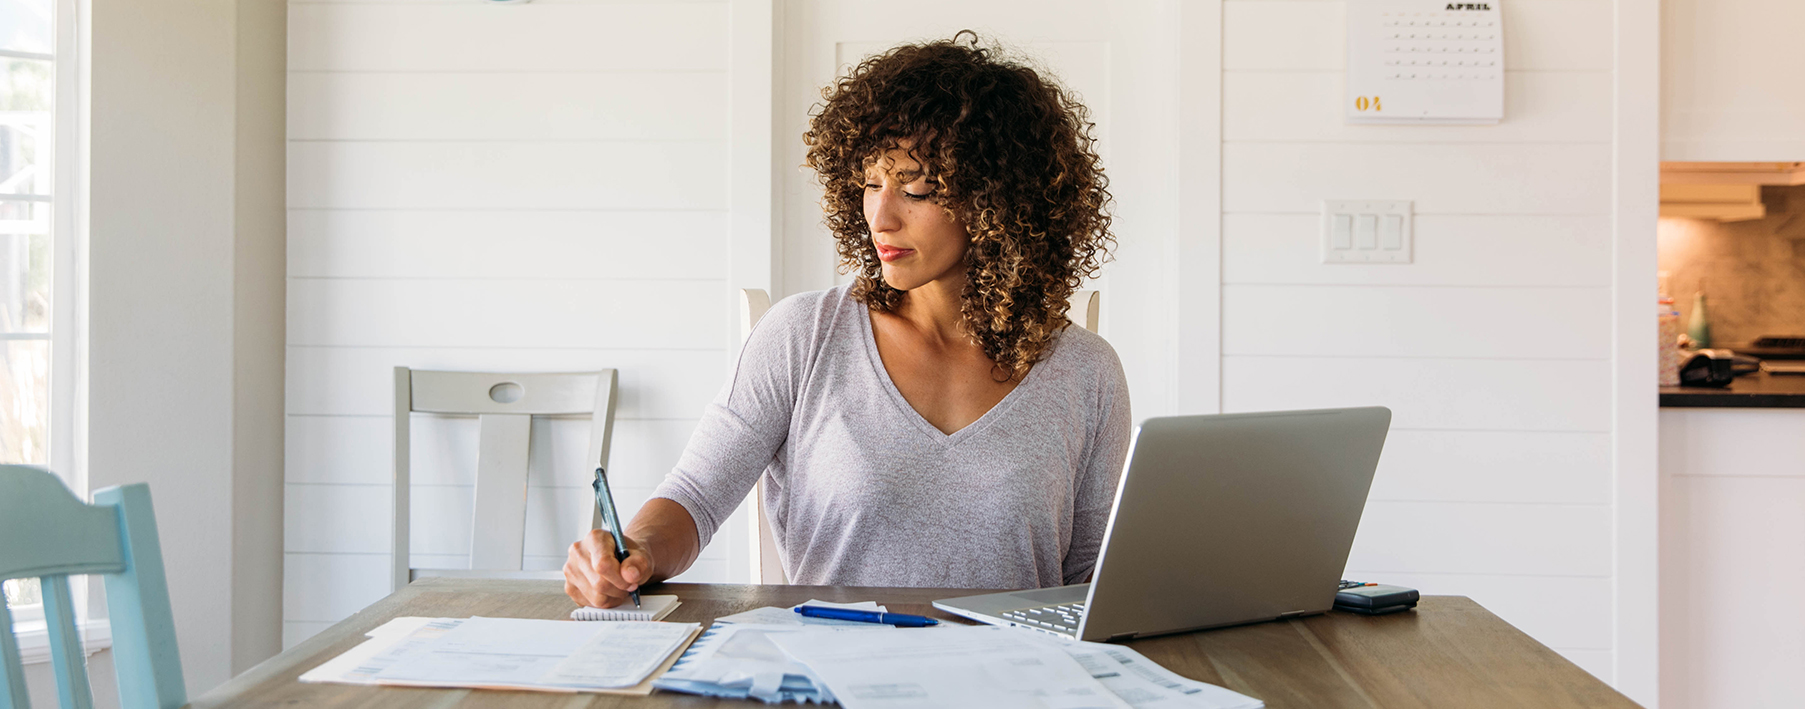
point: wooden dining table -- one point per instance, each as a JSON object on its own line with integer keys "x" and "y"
{"x": 1448, "y": 652}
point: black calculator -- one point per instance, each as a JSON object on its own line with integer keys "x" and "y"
{"x": 1373, "y": 598}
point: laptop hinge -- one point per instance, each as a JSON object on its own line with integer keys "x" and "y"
{"x": 1119, "y": 637}
{"x": 1287, "y": 615}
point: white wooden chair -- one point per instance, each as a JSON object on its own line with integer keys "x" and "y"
{"x": 504, "y": 405}
{"x": 766, "y": 566}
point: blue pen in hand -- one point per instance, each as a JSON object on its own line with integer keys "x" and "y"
{"x": 900, "y": 620}
{"x": 604, "y": 500}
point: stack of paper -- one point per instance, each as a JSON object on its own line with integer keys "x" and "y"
{"x": 511, "y": 653}
{"x": 784, "y": 658}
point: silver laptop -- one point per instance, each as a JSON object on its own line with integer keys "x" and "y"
{"x": 1219, "y": 520}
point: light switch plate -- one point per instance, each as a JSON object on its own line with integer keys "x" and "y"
{"x": 1367, "y": 231}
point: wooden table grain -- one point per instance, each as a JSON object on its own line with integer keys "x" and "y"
{"x": 1450, "y": 652}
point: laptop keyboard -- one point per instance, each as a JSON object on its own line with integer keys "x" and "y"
{"x": 1062, "y": 618}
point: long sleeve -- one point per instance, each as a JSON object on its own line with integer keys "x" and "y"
{"x": 1102, "y": 470}
{"x": 749, "y": 420}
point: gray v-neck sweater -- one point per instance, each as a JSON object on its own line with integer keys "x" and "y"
{"x": 862, "y": 491}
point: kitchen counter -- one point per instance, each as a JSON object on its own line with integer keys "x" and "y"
{"x": 1758, "y": 390}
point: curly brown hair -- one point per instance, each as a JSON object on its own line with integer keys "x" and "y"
{"x": 1016, "y": 165}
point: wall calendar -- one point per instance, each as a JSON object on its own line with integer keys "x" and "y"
{"x": 1424, "y": 62}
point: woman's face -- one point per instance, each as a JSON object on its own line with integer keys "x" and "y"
{"x": 917, "y": 240}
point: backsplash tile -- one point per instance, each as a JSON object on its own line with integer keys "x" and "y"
{"x": 1753, "y": 271}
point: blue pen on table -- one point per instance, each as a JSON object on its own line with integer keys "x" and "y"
{"x": 900, "y": 620}
{"x": 604, "y": 500}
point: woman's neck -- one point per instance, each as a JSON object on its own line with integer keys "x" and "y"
{"x": 936, "y": 308}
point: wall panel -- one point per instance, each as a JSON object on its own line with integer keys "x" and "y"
{"x": 519, "y": 188}
{"x": 1308, "y": 35}
{"x": 342, "y": 106}
{"x": 1430, "y": 393}
{"x": 524, "y": 313}
{"x": 1493, "y": 348}
{"x": 1483, "y": 538}
{"x": 1494, "y": 466}
{"x": 543, "y": 37}
{"x": 1540, "y": 106}
{"x": 1435, "y": 321}
{"x": 515, "y": 174}
{"x": 355, "y": 450}
{"x": 1441, "y": 178}
{"x": 654, "y": 383}
{"x": 1450, "y": 250}
{"x": 556, "y": 244}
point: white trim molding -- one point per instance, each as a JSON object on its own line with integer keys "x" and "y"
{"x": 1195, "y": 269}
{"x": 34, "y": 639}
{"x": 1636, "y": 148}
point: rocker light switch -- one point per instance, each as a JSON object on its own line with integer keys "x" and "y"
{"x": 1366, "y": 228}
{"x": 1341, "y": 235}
{"x": 1366, "y": 231}
{"x": 1391, "y": 232}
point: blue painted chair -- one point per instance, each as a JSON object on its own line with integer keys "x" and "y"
{"x": 45, "y": 532}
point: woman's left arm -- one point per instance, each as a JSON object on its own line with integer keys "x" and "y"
{"x": 1101, "y": 469}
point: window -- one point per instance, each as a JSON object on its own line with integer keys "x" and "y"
{"x": 36, "y": 252}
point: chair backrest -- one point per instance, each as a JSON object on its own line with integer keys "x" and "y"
{"x": 504, "y": 405}
{"x": 48, "y": 534}
{"x": 767, "y": 567}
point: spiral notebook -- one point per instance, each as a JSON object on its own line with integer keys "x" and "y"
{"x": 650, "y": 608}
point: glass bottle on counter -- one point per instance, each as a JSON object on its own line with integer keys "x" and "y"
{"x": 1669, "y": 315}
{"x": 1700, "y": 327}
{"x": 1670, "y": 342}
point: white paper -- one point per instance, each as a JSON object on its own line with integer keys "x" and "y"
{"x": 856, "y": 606}
{"x": 769, "y": 615}
{"x": 956, "y": 667}
{"x": 513, "y": 652}
{"x": 388, "y": 643}
{"x": 742, "y": 656}
{"x": 398, "y": 627}
{"x": 1144, "y": 684}
{"x": 623, "y": 654}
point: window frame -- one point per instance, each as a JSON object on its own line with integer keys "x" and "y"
{"x": 68, "y": 276}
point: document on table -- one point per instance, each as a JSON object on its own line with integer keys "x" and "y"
{"x": 954, "y": 667}
{"x": 1144, "y": 684}
{"x": 388, "y": 643}
{"x": 510, "y": 653}
{"x": 513, "y": 652}
{"x": 739, "y": 661}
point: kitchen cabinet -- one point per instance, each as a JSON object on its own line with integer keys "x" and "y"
{"x": 1732, "y": 557}
{"x": 1730, "y": 86}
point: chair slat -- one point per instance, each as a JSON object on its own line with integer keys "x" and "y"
{"x": 12, "y": 667}
{"x": 469, "y": 393}
{"x": 767, "y": 566}
{"x": 145, "y": 658}
{"x": 498, "y": 523}
{"x": 66, "y": 657}
{"x": 401, "y": 559}
{"x": 58, "y": 533}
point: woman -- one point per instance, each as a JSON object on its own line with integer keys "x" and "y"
{"x": 937, "y": 422}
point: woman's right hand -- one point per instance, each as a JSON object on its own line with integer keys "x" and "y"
{"x": 593, "y": 578}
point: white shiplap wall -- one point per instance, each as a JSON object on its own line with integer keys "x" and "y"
{"x": 1493, "y": 348}
{"x": 538, "y": 187}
